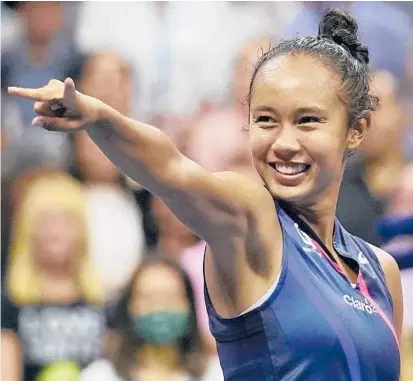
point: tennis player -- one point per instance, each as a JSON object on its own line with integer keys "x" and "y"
{"x": 291, "y": 295}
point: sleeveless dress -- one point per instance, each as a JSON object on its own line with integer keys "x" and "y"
{"x": 314, "y": 325}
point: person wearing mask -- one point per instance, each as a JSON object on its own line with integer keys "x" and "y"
{"x": 155, "y": 331}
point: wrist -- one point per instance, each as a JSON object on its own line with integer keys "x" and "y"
{"x": 100, "y": 110}
{"x": 94, "y": 110}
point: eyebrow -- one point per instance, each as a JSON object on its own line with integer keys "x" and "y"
{"x": 265, "y": 108}
{"x": 301, "y": 110}
{"x": 310, "y": 109}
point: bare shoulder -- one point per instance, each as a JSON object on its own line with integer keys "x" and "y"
{"x": 392, "y": 273}
{"x": 261, "y": 213}
{"x": 257, "y": 200}
{"x": 387, "y": 262}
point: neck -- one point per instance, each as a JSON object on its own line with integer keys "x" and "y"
{"x": 38, "y": 52}
{"x": 57, "y": 284}
{"x": 162, "y": 358}
{"x": 320, "y": 215}
{"x": 321, "y": 220}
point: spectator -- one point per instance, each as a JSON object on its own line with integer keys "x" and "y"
{"x": 52, "y": 322}
{"x": 41, "y": 51}
{"x": 399, "y": 240}
{"x": 370, "y": 177}
{"x": 114, "y": 220}
{"x": 232, "y": 147}
{"x": 109, "y": 77}
{"x": 156, "y": 326}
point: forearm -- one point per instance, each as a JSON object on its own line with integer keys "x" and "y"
{"x": 141, "y": 151}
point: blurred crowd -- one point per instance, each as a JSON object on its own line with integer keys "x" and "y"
{"x": 100, "y": 281}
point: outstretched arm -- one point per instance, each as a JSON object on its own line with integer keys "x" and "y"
{"x": 211, "y": 205}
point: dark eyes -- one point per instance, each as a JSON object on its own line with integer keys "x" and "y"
{"x": 302, "y": 120}
{"x": 265, "y": 119}
{"x": 309, "y": 119}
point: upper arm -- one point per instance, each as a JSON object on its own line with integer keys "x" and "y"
{"x": 394, "y": 285}
{"x": 392, "y": 273}
{"x": 11, "y": 356}
{"x": 215, "y": 205}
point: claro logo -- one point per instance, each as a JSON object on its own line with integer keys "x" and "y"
{"x": 362, "y": 306}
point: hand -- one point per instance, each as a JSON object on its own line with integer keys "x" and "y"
{"x": 59, "y": 106}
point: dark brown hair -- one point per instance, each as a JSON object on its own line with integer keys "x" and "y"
{"x": 338, "y": 46}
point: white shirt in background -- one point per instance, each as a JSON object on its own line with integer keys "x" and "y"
{"x": 116, "y": 236}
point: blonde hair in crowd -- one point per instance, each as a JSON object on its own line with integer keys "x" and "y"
{"x": 58, "y": 192}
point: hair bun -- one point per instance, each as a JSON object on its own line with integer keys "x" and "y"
{"x": 341, "y": 27}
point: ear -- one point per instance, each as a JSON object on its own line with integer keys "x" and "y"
{"x": 358, "y": 132}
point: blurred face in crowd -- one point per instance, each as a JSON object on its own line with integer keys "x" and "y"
{"x": 95, "y": 166}
{"x": 159, "y": 307}
{"x": 57, "y": 237}
{"x": 108, "y": 78}
{"x": 299, "y": 128}
{"x": 387, "y": 121}
{"x": 158, "y": 288}
{"x": 42, "y": 19}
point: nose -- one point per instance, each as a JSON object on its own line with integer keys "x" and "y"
{"x": 286, "y": 144}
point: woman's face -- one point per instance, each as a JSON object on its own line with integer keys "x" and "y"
{"x": 56, "y": 237}
{"x": 158, "y": 289}
{"x": 108, "y": 78}
{"x": 299, "y": 128}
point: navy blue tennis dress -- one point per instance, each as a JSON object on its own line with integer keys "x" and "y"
{"x": 315, "y": 325}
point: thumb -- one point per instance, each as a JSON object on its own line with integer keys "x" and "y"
{"x": 69, "y": 92}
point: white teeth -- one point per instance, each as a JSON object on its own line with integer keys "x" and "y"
{"x": 290, "y": 169}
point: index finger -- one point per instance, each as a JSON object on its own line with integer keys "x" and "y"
{"x": 34, "y": 94}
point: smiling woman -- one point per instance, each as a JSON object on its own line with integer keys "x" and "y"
{"x": 278, "y": 275}
{"x": 305, "y": 138}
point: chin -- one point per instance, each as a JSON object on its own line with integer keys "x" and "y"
{"x": 293, "y": 194}
{"x": 301, "y": 192}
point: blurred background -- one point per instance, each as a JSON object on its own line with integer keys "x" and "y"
{"x": 99, "y": 280}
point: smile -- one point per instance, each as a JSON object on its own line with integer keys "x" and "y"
{"x": 290, "y": 169}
